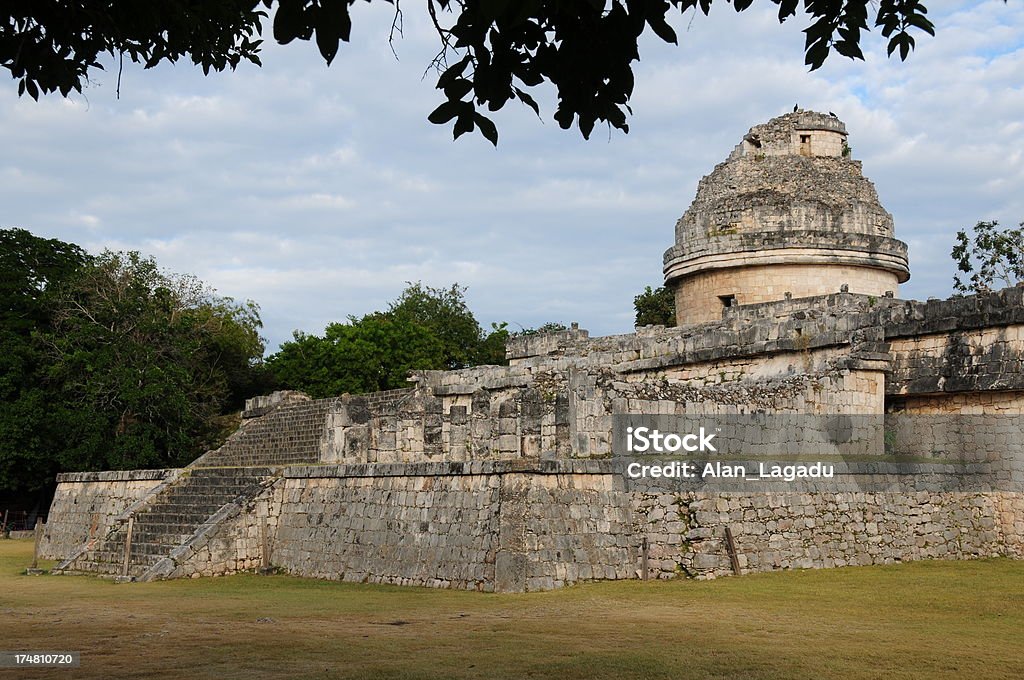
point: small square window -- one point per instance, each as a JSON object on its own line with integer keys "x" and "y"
{"x": 728, "y": 300}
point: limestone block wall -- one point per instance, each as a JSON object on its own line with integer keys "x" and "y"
{"x": 1000, "y": 403}
{"x": 85, "y": 504}
{"x": 506, "y": 527}
{"x": 787, "y": 530}
{"x": 819, "y": 142}
{"x": 481, "y": 526}
{"x": 403, "y": 528}
{"x": 699, "y": 297}
{"x": 564, "y": 527}
{"x": 965, "y": 360}
{"x": 1010, "y": 520}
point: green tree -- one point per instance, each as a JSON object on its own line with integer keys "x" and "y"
{"x": 444, "y": 313}
{"x": 491, "y": 350}
{"x": 424, "y": 329}
{"x": 547, "y": 327}
{"x": 490, "y": 51}
{"x": 30, "y": 267}
{"x": 108, "y": 362}
{"x": 655, "y": 306}
{"x": 363, "y": 355}
{"x": 145, "y": 361}
{"x": 988, "y": 258}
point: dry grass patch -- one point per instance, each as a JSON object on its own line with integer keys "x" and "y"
{"x": 919, "y": 620}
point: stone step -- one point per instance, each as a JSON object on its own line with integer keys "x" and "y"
{"x": 177, "y": 515}
{"x": 172, "y": 518}
{"x": 168, "y": 535}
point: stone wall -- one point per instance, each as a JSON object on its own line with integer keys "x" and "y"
{"x": 510, "y": 527}
{"x": 86, "y": 504}
{"x": 786, "y": 530}
{"x": 366, "y": 525}
{"x": 970, "y": 360}
{"x": 481, "y": 526}
{"x": 699, "y": 297}
{"x": 960, "y": 403}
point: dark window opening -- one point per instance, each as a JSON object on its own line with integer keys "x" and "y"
{"x": 728, "y": 300}
{"x": 805, "y": 139}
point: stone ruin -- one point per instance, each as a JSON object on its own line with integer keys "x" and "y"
{"x": 509, "y": 478}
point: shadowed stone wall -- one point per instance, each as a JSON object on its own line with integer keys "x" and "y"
{"x": 86, "y": 503}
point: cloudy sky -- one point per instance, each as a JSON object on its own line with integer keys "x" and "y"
{"x": 318, "y": 192}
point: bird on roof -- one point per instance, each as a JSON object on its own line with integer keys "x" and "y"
{"x": 832, "y": 114}
{"x": 796, "y": 107}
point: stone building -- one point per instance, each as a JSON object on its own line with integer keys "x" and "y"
{"x": 788, "y": 211}
{"x": 513, "y": 478}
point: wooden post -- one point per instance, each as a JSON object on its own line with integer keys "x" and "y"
{"x": 643, "y": 560}
{"x": 3, "y": 527}
{"x": 128, "y": 546}
{"x": 730, "y": 545}
{"x": 264, "y": 545}
{"x": 35, "y": 551}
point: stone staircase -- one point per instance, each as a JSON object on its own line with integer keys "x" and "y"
{"x": 161, "y": 528}
{"x": 288, "y": 435}
{"x": 171, "y": 519}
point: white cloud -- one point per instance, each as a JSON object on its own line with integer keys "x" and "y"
{"x": 318, "y": 192}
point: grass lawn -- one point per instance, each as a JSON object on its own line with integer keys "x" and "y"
{"x": 918, "y": 620}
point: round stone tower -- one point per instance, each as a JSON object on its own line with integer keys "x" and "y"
{"x": 787, "y": 212}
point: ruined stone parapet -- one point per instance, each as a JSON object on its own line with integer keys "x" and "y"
{"x": 788, "y": 212}
{"x": 837, "y": 353}
{"x": 806, "y": 133}
{"x": 540, "y": 344}
{"x": 261, "y": 405}
{"x": 963, "y": 345}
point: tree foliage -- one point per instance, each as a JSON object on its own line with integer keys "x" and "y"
{"x": 444, "y": 313}
{"x": 363, "y": 355}
{"x": 30, "y": 267}
{"x": 655, "y": 306}
{"x": 424, "y": 329}
{"x": 148, "y": 356}
{"x": 112, "y": 363}
{"x": 491, "y": 51}
{"x": 54, "y": 45}
{"x": 547, "y": 327}
{"x": 988, "y": 258}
